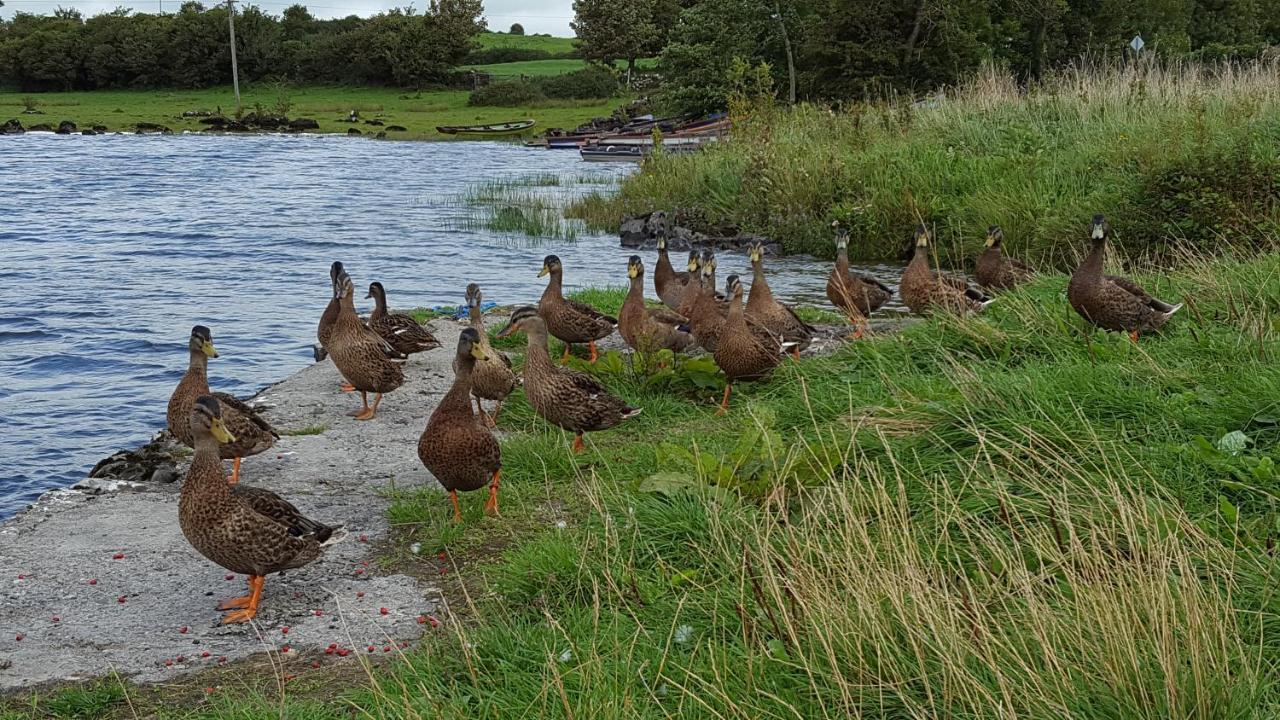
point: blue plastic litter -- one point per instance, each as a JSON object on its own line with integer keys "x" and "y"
{"x": 460, "y": 311}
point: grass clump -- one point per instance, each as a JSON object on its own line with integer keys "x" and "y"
{"x": 1171, "y": 153}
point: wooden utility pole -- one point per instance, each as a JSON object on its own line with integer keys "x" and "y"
{"x": 235, "y": 73}
{"x": 791, "y": 60}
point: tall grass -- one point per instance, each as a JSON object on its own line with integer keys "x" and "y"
{"x": 1172, "y": 153}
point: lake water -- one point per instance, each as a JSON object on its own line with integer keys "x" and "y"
{"x": 112, "y": 247}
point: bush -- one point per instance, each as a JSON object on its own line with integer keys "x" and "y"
{"x": 507, "y": 94}
{"x": 516, "y": 29}
{"x": 494, "y": 56}
{"x": 587, "y": 84}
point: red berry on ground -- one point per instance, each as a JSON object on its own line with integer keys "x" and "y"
{"x": 182, "y": 658}
{"x": 360, "y": 594}
{"x": 183, "y": 630}
{"x": 383, "y": 611}
{"x": 343, "y": 652}
{"x": 18, "y": 637}
{"x": 328, "y": 651}
{"x": 319, "y": 613}
{"x": 57, "y": 619}
{"x": 93, "y": 582}
{"x": 22, "y": 577}
{"x": 433, "y": 620}
{"x": 204, "y": 654}
{"x": 370, "y": 648}
{"x": 315, "y": 665}
{"x": 284, "y": 630}
{"x": 364, "y": 538}
{"x": 209, "y": 690}
{"x": 121, "y": 599}
{"x": 222, "y": 658}
{"x": 118, "y": 556}
{"x": 168, "y": 663}
{"x": 386, "y": 648}
{"x": 422, "y": 619}
{"x": 285, "y": 649}
{"x": 230, "y": 576}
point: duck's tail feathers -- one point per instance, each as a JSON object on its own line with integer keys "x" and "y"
{"x": 983, "y": 305}
{"x": 336, "y": 535}
{"x": 1173, "y": 309}
{"x": 631, "y": 412}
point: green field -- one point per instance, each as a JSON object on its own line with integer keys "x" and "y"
{"x": 543, "y": 68}
{"x": 553, "y": 45}
{"x": 420, "y": 113}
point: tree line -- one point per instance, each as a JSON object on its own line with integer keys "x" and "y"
{"x": 852, "y": 49}
{"x": 190, "y": 48}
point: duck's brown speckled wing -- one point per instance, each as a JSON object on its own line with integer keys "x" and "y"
{"x": 253, "y": 434}
{"x": 404, "y": 333}
{"x": 667, "y": 317}
{"x": 589, "y": 311}
{"x": 265, "y": 502}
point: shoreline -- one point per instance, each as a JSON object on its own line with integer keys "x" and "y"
{"x": 126, "y": 594}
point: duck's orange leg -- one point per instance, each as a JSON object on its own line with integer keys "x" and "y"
{"x": 347, "y": 387}
{"x": 565, "y": 358}
{"x": 577, "y": 446}
{"x": 493, "y": 416}
{"x": 795, "y": 353}
{"x": 595, "y": 355}
{"x": 1134, "y": 337}
{"x": 491, "y": 505}
{"x": 248, "y": 606}
{"x": 235, "y": 472}
{"x": 368, "y": 413}
{"x": 724, "y": 404}
{"x": 457, "y": 511}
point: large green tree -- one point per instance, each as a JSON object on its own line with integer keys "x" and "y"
{"x": 610, "y": 30}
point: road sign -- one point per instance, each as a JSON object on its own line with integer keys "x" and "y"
{"x": 1137, "y": 43}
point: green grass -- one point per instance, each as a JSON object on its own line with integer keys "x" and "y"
{"x": 543, "y": 68}
{"x": 1170, "y": 154}
{"x": 523, "y": 207}
{"x": 309, "y": 430}
{"x": 420, "y": 113}
{"x": 554, "y": 45}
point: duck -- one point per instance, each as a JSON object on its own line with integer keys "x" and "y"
{"x": 996, "y": 272}
{"x": 570, "y": 321}
{"x": 924, "y": 290}
{"x": 399, "y": 330}
{"x": 648, "y": 330}
{"x": 857, "y": 296}
{"x": 367, "y": 361}
{"x": 709, "y": 313}
{"x": 567, "y": 398}
{"x": 741, "y": 352}
{"x": 667, "y": 283}
{"x": 247, "y": 530}
{"x": 456, "y": 447}
{"x": 1109, "y": 301}
{"x": 253, "y": 434}
{"x": 692, "y": 290}
{"x": 492, "y": 378}
{"x": 328, "y": 318}
{"x": 777, "y": 318}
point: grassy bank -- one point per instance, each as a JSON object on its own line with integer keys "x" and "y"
{"x": 1003, "y": 511}
{"x": 419, "y": 113}
{"x": 1170, "y": 154}
{"x": 545, "y": 68}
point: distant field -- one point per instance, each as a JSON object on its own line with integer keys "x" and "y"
{"x": 542, "y": 68}
{"x": 420, "y": 113}
{"x": 526, "y": 42}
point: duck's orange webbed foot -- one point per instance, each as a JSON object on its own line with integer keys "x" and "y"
{"x": 248, "y": 606}
{"x": 491, "y": 505}
{"x": 348, "y": 387}
{"x": 724, "y": 404}
{"x": 577, "y": 446}
{"x": 595, "y": 354}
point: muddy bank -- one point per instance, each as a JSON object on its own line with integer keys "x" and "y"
{"x": 101, "y": 580}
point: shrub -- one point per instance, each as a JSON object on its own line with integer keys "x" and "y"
{"x": 516, "y": 29}
{"x": 507, "y": 94}
{"x": 587, "y": 84}
{"x": 494, "y": 56}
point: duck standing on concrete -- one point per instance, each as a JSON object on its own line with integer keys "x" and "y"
{"x": 367, "y": 361}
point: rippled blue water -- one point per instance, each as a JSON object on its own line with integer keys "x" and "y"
{"x": 112, "y": 247}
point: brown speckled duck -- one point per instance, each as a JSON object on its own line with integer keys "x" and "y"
{"x": 328, "y": 318}
{"x": 924, "y": 290}
{"x": 646, "y": 329}
{"x": 253, "y": 434}
{"x": 1111, "y": 302}
{"x": 773, "y": 315}
{"x": 692, "y": 290}
{"x": 367, "y": 361}
{"x": 246, "y": 530}
{"x": 457, "y": 447}
{"x": 570, "y": 321}
{"x": 399, "y": 330}
{"x": 996, "y": 272}
{"x": 667, "y": 283}
{"x": 492, "y": 378}
{"x": 857, "y": 296}
{"x": 741, "y": 353}
{"x": 564, "y": 397}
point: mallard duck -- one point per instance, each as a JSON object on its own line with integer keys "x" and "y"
{"x": 1111, "y": 302}
{"x": 709, "y": 313}
{"x": 773, "y": 315}
{"x": 994, "y": 271}
{"x": 367, "y": 361}
{"x": 646, "y": 329}
{"x": 246, "y": 530}
{"x": 329, "y": 317}
{"x": 741, "y": 352}
{"x": 667, "y": 283}
{"x": 456, "y": 447}
{"x": 857, "y": 296}
{"x": 692, "y": 289}
{"x": 924, "y": 290}
{"x": 253, "y": 434}
{"x": 399, "y": 330}
{"x": 570, "y": 321}
{"x": 492, "y": 378}
{"x": 570, "y": 399}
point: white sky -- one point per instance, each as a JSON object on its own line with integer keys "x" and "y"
{"x": 537, "y": 16}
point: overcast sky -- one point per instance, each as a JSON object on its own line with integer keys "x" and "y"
{"x": 537, "y": 16}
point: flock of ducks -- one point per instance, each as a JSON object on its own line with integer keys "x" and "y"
{"x": 255, "y": 532}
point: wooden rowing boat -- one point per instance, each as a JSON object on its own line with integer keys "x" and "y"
{"x": 514, "y": 127}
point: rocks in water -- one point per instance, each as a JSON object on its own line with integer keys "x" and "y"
{"x": 89, "y": 131}
{"x": 382, "y": 134}
{"x": 303, "y": 124}
{"x": 66, "y": 127}
{"x": 397, "y": 128}
{"x": 353, "y": 132}
{"x": 40, "y": 127}
{"x": 144, "y": 128}
{"x": 640, "y": 231}
{"x": 100, "y": 129}
{"x": 154, "y": 462}
{"x": 12, "y": 127}
{"x": 373, "y": 122}
{"x": 264, "y": 121}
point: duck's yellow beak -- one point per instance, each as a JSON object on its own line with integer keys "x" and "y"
{"x": 693, "y": 266}
{"x": 991, "y": 239}
{"x": 544, "y": 271}
{"x": 631, "y": 272}
{"x": 220, "y": 432}
{"x": 208, "y": 349}
{"x": 754, "y": 255}
{"x": 477, "y": 352}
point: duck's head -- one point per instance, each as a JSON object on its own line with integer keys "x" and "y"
{"x": 334, "y": 270}
{"x": 377, "y": 291}
{"x": 707, "y": 266}
{"x": 733, "y": 287}
{"x": 342, "y": 285}
{"x": 469, "y": 345}
{"x": 755, "y": 253}
{"x": 206, "y": 419}
{"x": 1100, "y": 229}
{"x": 994, "y": 236}
{"x": 635, "y": 267}
{"x": 842, "y": 236}
{"x": 695, "y": 261}
{"x": 473, "y": 296}
{"x": 922, "y": 236}
{"x": 526, "y": 320}
{"x": 202, "y": 341}
{"x": 550, "y": 264}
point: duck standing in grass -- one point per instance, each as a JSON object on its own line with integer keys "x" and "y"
{"x": 567, "y": 398}
{"x": 857, "y": 296}
{"x": 457, "y": 447}
{"x": 570, "y": 321}
{"x": 648, "y": 330}
{"x": 367, "y": 361}
{"x": 253, "y": 435}
{"x": 492, "y": 378}
{"x": 741, "y": 353}
{"x": 692, "y": 290}
{"x": 773, "y": 315}
{"x": 667, "y": 283}
{"x": 924, "y": 290}
{"x": 399, "y": 330}
{"x": 996, "y": 272}
{"x": 1111, "y": 302}
{"x": 246, "y": 530}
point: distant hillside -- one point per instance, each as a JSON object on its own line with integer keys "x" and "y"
{"x": 549, "y": 45}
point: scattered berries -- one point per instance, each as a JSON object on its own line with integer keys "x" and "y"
{"x": 422, "y": 619}
{"x": 371, "y": 648}
{"x": 284, "y": 630}
{"x": 22, "y": 577}
{"x": 230, "y": 576}
{"x": 360, "y": 594}
{"x": 315, "y": 665}
{"x": 182, "y": 630}
{"x": 222, "y": 658}
{"x": 57, "y": 619}
{"x": 364, "y": 538}
{"x": 359, "y": 571}
{"x": 434, "y": 622}
{"x": 319, "y": 613}
{"x": 343, "y": 652}
{"x": 285, "y": 649}
{"x": 122, "y": 599}
{"x": 182, "y": 658}
{"x": 386, "y": 648}
{"x": 118, "y": 556}
{"x": 204, "y": 654}
{"x": 93, "y": 582}
{"x": 209, "y": 690}
{"x": 18, "y": 637}
{"x": 381, "y": 611}
{"x": 168, "y": 663}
